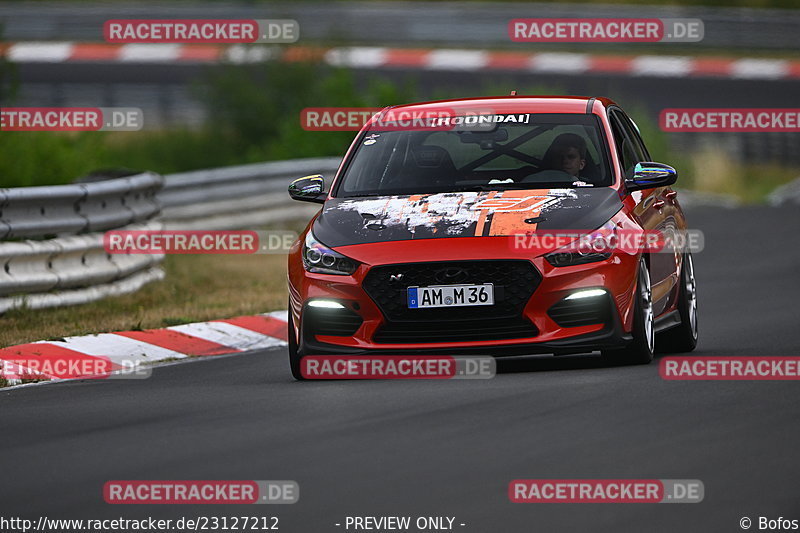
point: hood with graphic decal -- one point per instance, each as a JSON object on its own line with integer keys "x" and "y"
{"x": 347, "y": 221}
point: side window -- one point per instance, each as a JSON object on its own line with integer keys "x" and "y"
{"x": 633, "y": 132}
{"x": 625, "y": 150}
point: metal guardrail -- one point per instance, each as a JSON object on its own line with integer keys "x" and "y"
{"x": 787, "y": 194}
{"x": 52, "y": 250}
{"x": 239, "y": 197}
{"x": 78, "y": 208}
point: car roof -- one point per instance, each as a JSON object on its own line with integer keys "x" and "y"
{"x": 509, "y": 104}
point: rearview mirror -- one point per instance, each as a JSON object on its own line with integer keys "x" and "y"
{"x": 649, "y": 175}
{"x": 308, "y": 189}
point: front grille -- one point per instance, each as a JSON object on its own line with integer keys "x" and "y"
{"x": 338, "y": 322}
{"x": 582, "y": 312}
{"x": 514, "y": 283}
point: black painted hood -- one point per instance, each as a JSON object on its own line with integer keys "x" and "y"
{"x": 347, "y": 221}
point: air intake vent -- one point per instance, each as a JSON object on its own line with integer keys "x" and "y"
{"x": 338, "y": 322}
{"x": 581, "y": 312}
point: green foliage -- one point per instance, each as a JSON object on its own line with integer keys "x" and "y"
{"x": 254, "y": 115}
{"x": 259, "y": 108}
{"x": 43, "y": 158}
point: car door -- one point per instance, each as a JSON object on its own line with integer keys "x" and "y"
{"x": 654, "y": 207}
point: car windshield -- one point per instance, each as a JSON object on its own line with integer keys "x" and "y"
{"x": 526, "y": 151}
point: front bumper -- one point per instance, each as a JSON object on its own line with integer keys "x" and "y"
{"x": 545, "y": 334}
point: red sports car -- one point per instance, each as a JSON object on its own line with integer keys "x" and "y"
{"x": 450, "y": 228}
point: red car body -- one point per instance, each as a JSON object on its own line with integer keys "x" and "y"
{"x": 366, "y": 317}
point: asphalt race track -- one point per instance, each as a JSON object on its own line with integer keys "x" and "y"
{"x": 448, "y": 448}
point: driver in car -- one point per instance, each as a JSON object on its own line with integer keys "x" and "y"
{"x": 567, "y": 153}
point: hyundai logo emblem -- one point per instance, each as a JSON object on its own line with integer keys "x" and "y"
{"x": 396, "y": 277}
{"x": 451, "y": 275}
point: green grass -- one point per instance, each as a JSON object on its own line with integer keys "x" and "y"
{"x": 713, "y": 170}
{"x": 197, "y": 288}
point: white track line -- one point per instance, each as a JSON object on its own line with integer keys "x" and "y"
{"x": 662, "y": 66}
{"x": 228, "y": 335}
{"x": 280, "y": 315}
{"x": 150, "y": 53}
{"x": 457, "y": 60}
{"x": 357, "y": 57}
{"x": 40, "y": 52}
{"x": 759, "y": 69}
{"x": 560, "y": 62}
{"x": 116, "y": 348}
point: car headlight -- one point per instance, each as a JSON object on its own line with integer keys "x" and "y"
{"x": 590, "y": 248}
{"x": 320, "y": 259}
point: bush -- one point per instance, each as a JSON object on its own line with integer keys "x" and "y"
{"x": 254, "y": 115}
{"x": 44, "y": 158}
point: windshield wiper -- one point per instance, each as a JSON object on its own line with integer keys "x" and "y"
{"x": 519, "y": 186}
{"x": 487, "y": 187}
{"x": 551, "y": 184}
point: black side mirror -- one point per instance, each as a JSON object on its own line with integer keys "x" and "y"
{"x": 649, "y": 175}
{"x": 308, "y": 189}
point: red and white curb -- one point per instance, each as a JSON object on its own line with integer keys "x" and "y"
{"x": 132, "y": 348}
{"x": 426, "y": 59}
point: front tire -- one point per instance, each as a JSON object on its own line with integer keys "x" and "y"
{"x": 683, "y": 337}
{"x": 295, "y": 359}
{"x": 640, "y": 350}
